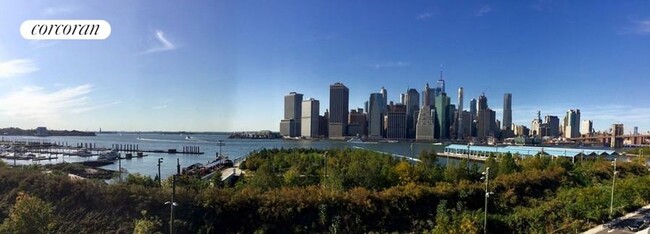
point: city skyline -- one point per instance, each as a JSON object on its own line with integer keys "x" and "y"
{"x": 218, "y": 66}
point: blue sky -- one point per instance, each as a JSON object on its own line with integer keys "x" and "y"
{"x": 226, "y": 65}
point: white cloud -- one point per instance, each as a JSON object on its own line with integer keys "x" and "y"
{"x": 642, "y": 27}
{"x": 36, "y": 103}
{"x": 392, "y": 64}
{"x": 61, "y": 10}
{"x": 483, "y": 11}
{"x": 161, "y": 44}
{"x": 424, "y": 16}
{"x": 17, "y": 67}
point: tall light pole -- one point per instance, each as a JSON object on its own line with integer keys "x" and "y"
{"x": 159, "y": 178}
{"x": 468, "y": 156}
{"x": 172, "y": 204}
{"x": 486, "y": 177}
{"x": 611, "y": 201}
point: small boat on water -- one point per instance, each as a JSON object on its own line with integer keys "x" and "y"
{"x": 109, "y": 156}
{"x": 358, "y": 140}
{"x": 188, "y": 137}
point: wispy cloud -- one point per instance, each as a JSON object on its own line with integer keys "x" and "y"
{"x": 161, "y": 43}
{"x": 95, "y": 107}
{"x": 60, "y": 10}
{"x": 484, "y": 10}
{"x": 17, "y": 67}
{"x": 424, "y": 16}
{"x": 641, "y": 27}
{"x": 36, "y": 103}
{"x": 392, "y": 65}
{"x": 543, "y": 5}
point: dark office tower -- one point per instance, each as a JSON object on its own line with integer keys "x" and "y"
{"x": 472, "y": 108}
{"x": 411, "y": 101}
{"x": 357, "y": 125}
{"x": 442, "y": 116}
{"x": 375, "y": 115}
{"x": 553, "y": 123}
{"x": 428, "y": 96}
{"x": 339, "y": 101}
{"x": 395, "y": 121}
{"x": 486, "y": 122}
{"x": 290, "y": 125}
{"x": 507, "y": 111}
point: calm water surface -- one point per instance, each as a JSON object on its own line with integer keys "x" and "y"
{"x": 234, "y": 148}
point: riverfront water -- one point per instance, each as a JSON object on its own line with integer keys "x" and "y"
{"x": 234, "y": 148}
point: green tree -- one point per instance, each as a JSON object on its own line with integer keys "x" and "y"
{"x": 142, "y": 180}
{"x": 29, "y": 215}
{"x": 146, "y": 225}
{"x": 507, "y": 164}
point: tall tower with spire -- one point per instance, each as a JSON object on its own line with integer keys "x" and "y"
{"x": 440, "y": 84}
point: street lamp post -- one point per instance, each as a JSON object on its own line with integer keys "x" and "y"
{"x": 172, "y": 204}
{"x": 159, "y": 178}
{"x": 611, "y": 201}
{"x": 486, "y": 177}
{"x": 468, "y": 156}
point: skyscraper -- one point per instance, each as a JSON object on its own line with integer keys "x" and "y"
{"x": 587, "y": 127}
{"x": 375, "y": 115}
{"x": 482, "y": 102}
{"x": 460, "y": 114}
{"x": 424, "y": 130}
{"x": 395, "y": 121}
{"x": 553, "y": 123}
{"x": 536, "y": 125}
{"x": 485, "y": 119}
{"x": 572, "y": 123}
{"x": 290, "y": 125}
{"x": 384, "y": 95}
{"x": 507, "y": 111}
{"x": 411, "y": 101}
{"x": 310, "y": 118}
{"x": 472, "y": 115}
{"x": 442, "y": 120}
{"x": 357, "y": 124}
{"x": 472, "y": 108}
{"x": 440, "y": 84}
{"x": 338, "y": 119}
{"x": 428, "y": 96}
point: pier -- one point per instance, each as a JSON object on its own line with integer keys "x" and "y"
{"x": 42, "y": 149}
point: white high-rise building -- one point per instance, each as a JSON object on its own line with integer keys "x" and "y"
{"x": 310, "y": 112}
{"x": 587, "y": 127}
